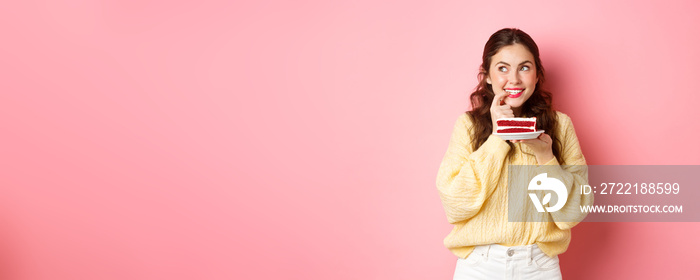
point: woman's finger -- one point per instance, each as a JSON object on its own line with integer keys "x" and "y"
{"x": 507, "y": 112}
{"x": 545, "y": 137}
{"x": 497, "y": 99}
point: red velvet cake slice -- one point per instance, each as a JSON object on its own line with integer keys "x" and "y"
{"x": 516, "y": 125}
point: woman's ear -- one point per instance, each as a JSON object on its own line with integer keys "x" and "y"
{"x": 483, "y": 71}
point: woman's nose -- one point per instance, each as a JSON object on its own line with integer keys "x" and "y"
{"x": 514, "y": 77}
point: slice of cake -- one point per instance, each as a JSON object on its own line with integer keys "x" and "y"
{"x": 515, "y": 125}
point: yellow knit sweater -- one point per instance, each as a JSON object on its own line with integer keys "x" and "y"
{"x": 473, "y": 189}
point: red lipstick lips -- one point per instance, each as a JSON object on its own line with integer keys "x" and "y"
{"x": 514, "y": 92}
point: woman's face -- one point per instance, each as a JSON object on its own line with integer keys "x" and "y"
{"x": 513, "y": 71}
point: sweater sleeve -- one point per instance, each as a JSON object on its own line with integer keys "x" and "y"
{"x": 573, "y": 173}
{"x": 466, "y": 179}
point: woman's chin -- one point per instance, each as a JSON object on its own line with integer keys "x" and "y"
{"x": 514, "y": 103}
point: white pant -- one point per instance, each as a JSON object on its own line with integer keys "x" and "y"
{"x": 503, "y": 262}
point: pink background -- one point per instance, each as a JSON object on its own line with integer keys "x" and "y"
{"x": 301, "y": 139}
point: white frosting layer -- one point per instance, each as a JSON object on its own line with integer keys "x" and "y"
{"x": 534, "y": 119}
{"x": 521, "y": 127}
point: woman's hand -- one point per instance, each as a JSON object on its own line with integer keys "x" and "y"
{"x": 541, "y": 146}
{"x": 499, "y": 111}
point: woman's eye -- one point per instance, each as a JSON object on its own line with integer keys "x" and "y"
{"x": 525, "y": 68}
{"x": 502, "y": 69}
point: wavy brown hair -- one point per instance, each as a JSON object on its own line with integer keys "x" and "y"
{"x": 538, "y": 105}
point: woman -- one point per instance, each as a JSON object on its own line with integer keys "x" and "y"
{"x": 473, "y": 177}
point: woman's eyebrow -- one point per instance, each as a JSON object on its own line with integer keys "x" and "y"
{"x": 521, "y": 63}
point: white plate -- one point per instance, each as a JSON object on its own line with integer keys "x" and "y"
{"x": 520, "y": 135}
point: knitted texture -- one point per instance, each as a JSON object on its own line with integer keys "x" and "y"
{"x": 473, "y": 190}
